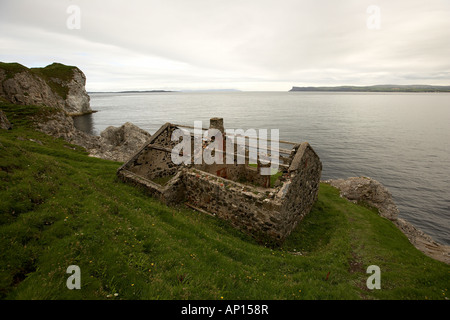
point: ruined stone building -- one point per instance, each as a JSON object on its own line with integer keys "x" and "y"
{"x": 267, "y": 207}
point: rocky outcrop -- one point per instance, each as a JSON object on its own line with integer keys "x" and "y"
{"x": 4, "y": 123}
{"x": 77, "y": 99}
{"x": 56, "y": 85}
{"x": 120, "y": 143}
{"x": 364, "y": 189}
{"x": 60, "y": 125}
{"x": 116, "y": 144}
{"x": 372, "y": 192}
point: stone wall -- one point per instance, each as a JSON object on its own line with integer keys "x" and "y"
{"x": 244, "y": 207}
{"x": 301, "y": 191}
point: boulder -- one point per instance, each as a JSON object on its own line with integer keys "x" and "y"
{"x": 120, "y": 143}
{"x": 370, "y": 191}
{"x": 4, "y": 123}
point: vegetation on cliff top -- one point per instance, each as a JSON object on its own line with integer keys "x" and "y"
{"x": 12, "y": 68}
{"x": 60, "y": 207}
{"x": 55, "y": 75}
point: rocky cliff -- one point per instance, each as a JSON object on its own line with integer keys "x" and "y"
{"x": 62, "y": 88}
{"x": 56, "y": 85}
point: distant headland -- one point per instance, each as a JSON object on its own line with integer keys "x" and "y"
{"x": 377, "y": 88}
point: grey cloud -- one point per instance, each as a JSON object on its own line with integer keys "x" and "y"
{"x": 179, "y": 42}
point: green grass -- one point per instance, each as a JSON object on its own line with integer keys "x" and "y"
{"x": 163, "y": 180}
{"x": 60, "y": 207}
{"x": 12, "y": 68}
{"x": 275, "y": 174}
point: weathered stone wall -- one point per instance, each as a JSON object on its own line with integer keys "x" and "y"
{"x": 301, "y": 191}
{"x": 244, "y": 207}
{"x": 163, "y": 136}
{"x": 152, "y": 163}
{"x": 171, "y": 193}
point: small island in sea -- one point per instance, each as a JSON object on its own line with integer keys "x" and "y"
{"x": 377, "y": 88}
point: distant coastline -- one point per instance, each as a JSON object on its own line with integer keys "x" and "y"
{"x": 377, "y": 88}
{"x": 163, "y": 91}
{"x": 131, "y": 91}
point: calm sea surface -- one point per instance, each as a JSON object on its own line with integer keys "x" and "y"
{"x": 399, "y": 139}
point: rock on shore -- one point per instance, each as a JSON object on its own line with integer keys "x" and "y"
{"x": 372, "y": 192}
{"x": 116, "y": 144}
{"x": 120, "y": 143}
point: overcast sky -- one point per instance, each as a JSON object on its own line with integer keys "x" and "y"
{"x": 241, "y": 44}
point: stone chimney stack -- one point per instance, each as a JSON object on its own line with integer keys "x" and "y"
{"x": 216, "y": 123}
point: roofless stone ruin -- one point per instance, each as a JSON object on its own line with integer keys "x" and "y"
{"x": 268, "y": 207}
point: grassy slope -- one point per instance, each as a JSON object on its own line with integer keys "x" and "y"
{"x": 60, "y": 207}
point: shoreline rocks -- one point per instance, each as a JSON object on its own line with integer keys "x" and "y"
{"x": 372, "y": 192}
{"x": 120, "y": 143}
{"x": 114, "y": 143}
